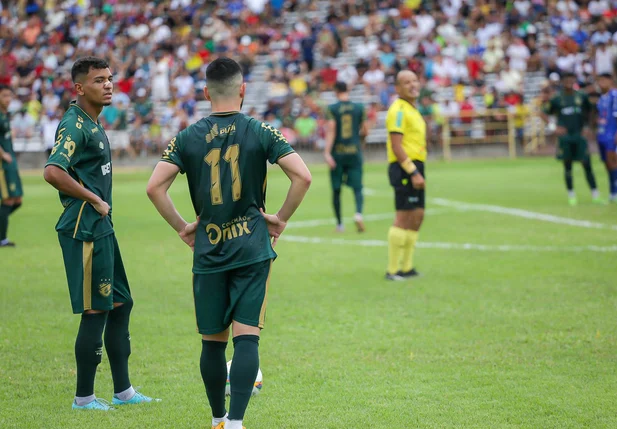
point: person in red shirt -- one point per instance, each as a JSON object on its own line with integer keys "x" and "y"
{"x": 466, "y": 111}
{"x": 328, "y": 77}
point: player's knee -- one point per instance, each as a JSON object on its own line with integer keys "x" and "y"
{"x": 125, "y": 307}
{"x": 222, "y": 337}
{"x": 93, "y": 312}
{"x": 244, "y": 329}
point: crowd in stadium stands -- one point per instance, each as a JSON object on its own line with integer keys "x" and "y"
{"x": 158, "y": 51}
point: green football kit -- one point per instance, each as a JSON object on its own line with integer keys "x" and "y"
{"x": 224, "y": 157}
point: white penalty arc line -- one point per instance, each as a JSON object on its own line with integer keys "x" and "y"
{"x": 522, "y": 213}
{"x": 451, "y": 246}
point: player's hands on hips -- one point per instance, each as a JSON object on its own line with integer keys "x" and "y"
{"x": 102, "y": 207}
{"x": 7, "y": 157}
{"x": 561, "y": 131}
{"x": 188, "y": 233}
{"x": 275, "y": 226}
{"x": 417, "y": 181}
{"x": 330, "y": 161}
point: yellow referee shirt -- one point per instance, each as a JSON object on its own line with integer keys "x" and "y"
{"x": 403, "y": 118}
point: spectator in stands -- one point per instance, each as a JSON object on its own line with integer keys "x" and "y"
{"x": 184, "y": 84}
{"x": 374, "y": 77}
{"x": 143, "y": 107}
{"x": 328, "y": 77}
{"x": 604, "y": 59}
{"x": 348, "y": 74}
{"x": 306, "y": 129}
{"x": 50, "y": 101}
{"x": 288, "y": 132}
{"x": 519, "y": 54}
{"x": 493, "y": 56}
{"x": 49, "y": 125}
{"x": 23, "y": 124}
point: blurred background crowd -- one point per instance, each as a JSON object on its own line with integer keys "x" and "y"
{"x": 471, "y": 55}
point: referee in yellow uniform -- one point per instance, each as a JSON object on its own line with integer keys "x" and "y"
{"x": 406, "y": 155}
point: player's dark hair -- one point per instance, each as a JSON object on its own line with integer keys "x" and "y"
{"x": 340, "y": 87}
{"x": 5, "y": 86}
{"x": 83, "y": 65}
{"x": 221, "y": 70}
{"x": 223, "y": 78}
{"x": 568, "y": 74}
{"x": 607, "y": 75}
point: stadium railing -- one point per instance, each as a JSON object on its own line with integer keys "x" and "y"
{"x": 521, "y": 132}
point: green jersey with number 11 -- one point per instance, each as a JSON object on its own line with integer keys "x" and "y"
{"x": 225, "y": 159}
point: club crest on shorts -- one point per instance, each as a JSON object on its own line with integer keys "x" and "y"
{"x": 101, "y": 145}
{"x": 105, "y": 288}
{"x": 12, "y": 187}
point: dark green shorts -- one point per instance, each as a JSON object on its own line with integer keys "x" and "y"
{"x": 10, "y": 182}
{"x": 239, "y": 294}
{"x": 95, "y": 273}
{"x": 572, "y": 148}
{"x": 348, "y": 171}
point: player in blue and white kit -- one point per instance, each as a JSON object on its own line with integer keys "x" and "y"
{"x": 607, "y": 129}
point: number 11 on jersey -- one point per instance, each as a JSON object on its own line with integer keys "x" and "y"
{"x": 213, "y": 159}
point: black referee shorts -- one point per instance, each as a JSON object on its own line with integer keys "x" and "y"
{"x": 406, "y": 197}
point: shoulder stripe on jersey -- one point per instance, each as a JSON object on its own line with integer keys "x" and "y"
{"x": 85, "y": 113}
{"x": 57, "y": 165}
{"x": 285, "y": 154}
{"x": 399, "y": 118}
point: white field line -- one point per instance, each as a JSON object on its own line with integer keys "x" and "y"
{"x": 370, "y": 217}
{"x": 451, "y": 246}
{"x": 522, "y": 213}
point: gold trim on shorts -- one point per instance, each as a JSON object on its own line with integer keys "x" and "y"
{"x": 4, "y": 189}
{"x": 88, "y": 250}
{"x": 78, "y": 219}
{"x": 262, "y": 313}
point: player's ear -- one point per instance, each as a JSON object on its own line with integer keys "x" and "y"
{"x": 207, "y": 93}
{"x": 79, "y": 88}
{"x": 242, "y": 90}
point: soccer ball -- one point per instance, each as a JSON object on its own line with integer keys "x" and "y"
{"x": 256, "y": 387}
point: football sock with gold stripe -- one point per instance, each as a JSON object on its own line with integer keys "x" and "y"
{"x": 242, "y": 374}
{"x": 118, "y": 345}
{"x": 397, "y": 237}
{"x": 88, "y": 351}
{"x": 410, "y": 247}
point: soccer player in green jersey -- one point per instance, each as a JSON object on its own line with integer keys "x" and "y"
{"x": 224, "y": 157}
{"x": 10, "y": 182}
{"x": 79, "y": 167}
{"x": 572, "y": 109}
{"x": 343, "y": 151}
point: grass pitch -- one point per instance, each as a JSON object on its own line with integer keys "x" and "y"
{"x": 512, "y": 324}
